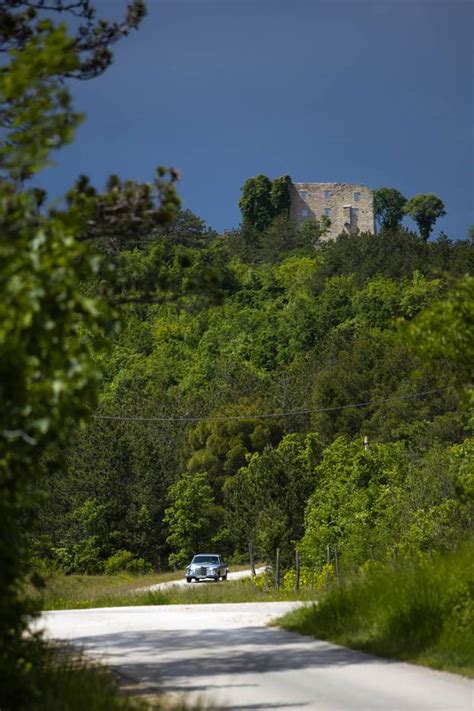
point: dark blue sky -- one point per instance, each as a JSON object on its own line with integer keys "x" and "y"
{"x": 374, "y": 92}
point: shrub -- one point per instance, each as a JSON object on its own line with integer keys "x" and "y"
{"x": 125, "y": 561}
{"x": 62, "y": 560}
{"x": 317, "y": 580}
{"x": 87, "y": 557}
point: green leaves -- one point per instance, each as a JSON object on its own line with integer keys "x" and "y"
{"x": 263, "y": 200}
{"x": 48, "y": 328}
{"x": 266, "y": 499}
{"x": 368, "y": 501}
{"x": 43, "y": 317}
{"x": 34, "y": 105}
{"x": 281, "y": 196}
{"x": 48, "y": 380}
{"x": 388, "y": 208}
{"x": 315, "y": 332}
{"x": 23, "y": 21}
{"x": 443, "y": 332}
{"x": 425, "y": 210}
{"x": 192, "y": 517}
{"x": 126, "y": 214}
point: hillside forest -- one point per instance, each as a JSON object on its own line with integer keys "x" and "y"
{"x": 265, "y": 386}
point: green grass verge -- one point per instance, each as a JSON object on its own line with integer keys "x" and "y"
{"x": 68, "y": 592}
{"x": 245, "y": 590}
{"x": 420, "y": 612}
{"x": 64, "y": 594}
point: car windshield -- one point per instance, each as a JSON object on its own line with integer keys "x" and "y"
{"x": 205, "y": 559}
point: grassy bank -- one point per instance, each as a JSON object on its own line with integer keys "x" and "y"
{"x": 62, "y": 593}
{"x": 421, "y": 612}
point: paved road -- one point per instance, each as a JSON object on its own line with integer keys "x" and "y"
{"x": 226, "y": 654}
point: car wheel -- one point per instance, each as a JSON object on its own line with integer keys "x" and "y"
{"x": 224, "y": 577}
{"x": 189, "y": 580}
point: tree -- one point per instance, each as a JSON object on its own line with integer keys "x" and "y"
{"x": 425, "y": 210}
{"x": 311, "y": 230}
{"x": 191, "y": 518}
{"x": 388, "y": 207}
{"x": 42, "y": 109}
{"x": 91, "y": 44}
{"x": 48, "y": 379}
{"x": 48, "y": 382}
{"x": 256, "y": 203}
{"x": 266, "y": 498}
{"x": 283, "y": 236}
{"x": 281, "y": 196}
{"x": 262, "y": 200}
{"x": 280, "y": 237}
{"x": 221, "y": 446}
{"x": 125, "y": 213}
{"x": 443, "y": 333}
{"x": 395, "y": 254}
{"x": 189, "y": 230}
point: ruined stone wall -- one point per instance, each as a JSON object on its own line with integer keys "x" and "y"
{"x": 349, "y": 207}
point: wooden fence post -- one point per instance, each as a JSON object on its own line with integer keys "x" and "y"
{"x": 252, "y": 561}
{"x": 297, "y": 571}
{"x": 394, "y": 557}
{"x": 336, "y": 564}
{"x": 277, "y": 569}
{"x": 328, "y": 554}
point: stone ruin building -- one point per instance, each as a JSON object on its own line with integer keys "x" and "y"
{"x": 349, "y": 207}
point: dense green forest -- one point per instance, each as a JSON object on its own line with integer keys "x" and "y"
{"x": 236, "y": 396}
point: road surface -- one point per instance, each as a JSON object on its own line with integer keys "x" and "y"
{"x": 225, "y": 654}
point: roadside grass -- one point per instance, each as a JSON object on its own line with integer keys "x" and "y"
{"x": 245, "y": 590}
{"x": 68, "y": 592}
{"x": 67, "y": 681}
{"x": 421, "y": 612}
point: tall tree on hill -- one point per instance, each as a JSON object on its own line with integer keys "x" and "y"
{"x": 256, "y": 203}
{"x": 388, "y": 207}
{"x": 281, "y": 196}
{"x": 425, "y": 210}
{"x": 262, "y": 200}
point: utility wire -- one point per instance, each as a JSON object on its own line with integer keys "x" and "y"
{"x": 251, "y": 416}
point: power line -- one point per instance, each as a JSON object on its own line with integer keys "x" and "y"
{"x": 269, "y": 415}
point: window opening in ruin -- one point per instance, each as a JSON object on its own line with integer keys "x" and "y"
{"x": 327, "y": 194}
{"x": 327, "y": 211}
{"x": 304, "y": 213}
{"x": 355, "y": 211}
{"x": 303, "y": 194}
{"x": 357, "y": 197}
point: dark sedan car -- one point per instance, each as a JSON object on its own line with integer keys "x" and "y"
{"x": 207, "y": 566}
